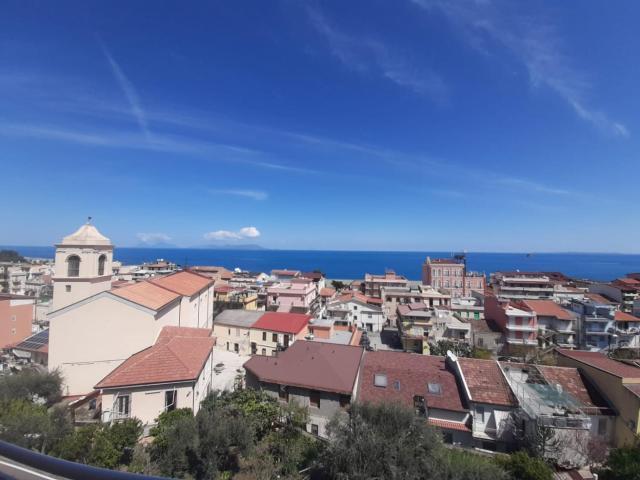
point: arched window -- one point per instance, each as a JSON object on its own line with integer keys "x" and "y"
{"x": 73, "y": 267}
{"x": 101, "y": 260}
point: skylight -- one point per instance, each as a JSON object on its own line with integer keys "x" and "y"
{"x": 380, "y": 380}
{"x": 434, "y": 388}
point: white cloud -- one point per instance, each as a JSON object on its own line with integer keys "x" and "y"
{"x": 535, "y": 43}
{"x": 254, "y": 194}
{"x": 222, "y": 235}
{"x": 365, "y": 54}
{"x": 153, "y": 238}
{"x": 129, "y": 91}
{"x": 245, "y": 232}
{"x": 250, "y": 232}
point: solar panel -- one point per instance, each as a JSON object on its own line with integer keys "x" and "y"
{"x": 34, "y": 342}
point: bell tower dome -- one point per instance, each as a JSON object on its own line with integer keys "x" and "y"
{"x": 83, "y": 266}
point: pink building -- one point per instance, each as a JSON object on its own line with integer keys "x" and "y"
{"x": 16, "y": 315}
{"x": 518, "y": 321}
{"x": 297, "y": 295}
{"x": 451, "y": 275}
{"x": 373, "y": 284}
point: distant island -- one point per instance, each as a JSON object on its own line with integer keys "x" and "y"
{"x": 245, "y": 246}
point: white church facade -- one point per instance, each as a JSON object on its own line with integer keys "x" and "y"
{"x": 94, "y": 327}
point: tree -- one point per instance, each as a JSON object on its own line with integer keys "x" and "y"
{"x": 31, "y": 385}
{"x": 23, "y": 423}
{"x": 11, "y": 256}
{"x": 521, "y": 466}
{"x": 337, "y": 284}
{"x": 381, "y": 441}
{"x": 441, "y": 347}
{"x": 623, "y": 464}
{"x": 462, "y": 465}
{"x": 173, "y": 449}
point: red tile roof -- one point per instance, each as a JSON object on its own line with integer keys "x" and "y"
{"x": 601, "y": 362}
{"x": 625, "y": 317}
{"x": 486, "y": 382}
{"x": 448, "y": 425}
{"x": 146, "y": 294}
{"x": 327, "y": 292}
{"x": 184, "y": 282}
{"x": 286, "y": 273}
{"x": 413, "y": 372}
{"x": 548, "y": 308}
{"x": 179, "y": 355}
{"x": 575, "y": 384}
{"x": 348, "y": 296}
{"x": 282, "y": 322}
{"x": 315, "y": 365}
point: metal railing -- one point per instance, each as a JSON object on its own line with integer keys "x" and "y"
{"x": 63, "y": 468}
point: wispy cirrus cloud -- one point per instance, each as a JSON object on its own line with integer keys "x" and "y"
{"x": 128, "y": 90}
{"x": 253, "y": 194}
{"x": 369, "y": 55}
{"x": 535, "y": 43}
{"x": 243, "y": 233}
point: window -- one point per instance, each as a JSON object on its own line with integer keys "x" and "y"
{"x": 264, "y": 336}
{"x": 355, "y": 307}
{"x": 314, "y": 429}
{"x": 476, "y": 315}
{"x": 380, "y": 380}
{"x": 434, "y": 388}
{"x": 13, "y": 318}
{"x": 264, "y": 351}
{"x": 446, "y": 283}
{"x": 67, "y": 288}
{"x": 170, "y": 398}
{"x": 345, "y": 401}
{"x": 13, "y": 331}
{"x": 480, "y": 413}
{"x": 602, "y": 426}
{"x": 274, "y": 337}
{"x": 447, "y": 437}
{"x": 73, "y": 266}
{"x": 396, "y": 385}
{"x": 101, "y": 261}
{"x": 370, "y": 315}
{"x": 122, "y": 405}
{"x": 314, "y": 398}
{"x": 92, "y": 404}
{"x": 418, "y": 405}
{"x": 228, "y": 332}
{"x": 283, "y": 393}
{"x": 445, "y": 273}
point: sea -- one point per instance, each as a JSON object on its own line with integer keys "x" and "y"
{"x": 354, "y": 264}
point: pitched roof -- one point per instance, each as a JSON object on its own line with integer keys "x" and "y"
{"x": 285, "y": 272}
{"x": 486, "y": 382}
{"x": 146, "y": 294}
{"x": 575, "y": 384}
{"x": 87, "y": 234}
{"x": 601, "y": 362}
{"x": 282, "y": 322}
{"x": 360, "y": 297}
{"x": 316, "y": 365}
{"x": 178, "y": 355}
{"x": 327, "y": 292}
{"x": 448, "y": 424}
{"x": 183, "y": 282}
{"x": 548, "y": 308}
{"x": 38, "y": 342}
{"x": 621, "y": 316}
{"x": 408, "y": 375}
{"x": 237, "y": 318}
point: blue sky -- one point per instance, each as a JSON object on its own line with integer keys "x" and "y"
{"x": 485, "y": 125}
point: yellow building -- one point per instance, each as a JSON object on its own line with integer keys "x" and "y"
{"x": 618, "y": 382}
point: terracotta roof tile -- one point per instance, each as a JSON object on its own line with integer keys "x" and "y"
{"x": 486, "y": 382}
{"x": 449, "y": 425}
{"x": 184, "y": 282}
{"x": 282, "y": 322}
{"x": 548, "y": 308}
{"x": 575, "y": 384}
{"x": 320, "y": 366}
{"x": 408, "y": 375}
{"x": 601, "y": 362}
{"x": 178, "y": 355}
{"x": 621, "y": 316}
{"x": 146, "y": 294}
{"x": 327, "y": 292}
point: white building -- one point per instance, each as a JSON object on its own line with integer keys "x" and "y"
{"x": 356, "y": 309}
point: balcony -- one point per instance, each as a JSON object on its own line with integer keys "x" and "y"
{"x": 595, "y": 318}
{"x": 522, "y": 328}
{"x": 522, "y": 341}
